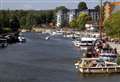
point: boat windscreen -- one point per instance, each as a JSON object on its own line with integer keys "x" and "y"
{"x": 86, "y": 42}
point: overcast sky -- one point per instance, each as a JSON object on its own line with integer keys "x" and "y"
{"x": 45, "y": 4}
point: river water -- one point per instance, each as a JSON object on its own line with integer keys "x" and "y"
{"x": 40, "y": 60}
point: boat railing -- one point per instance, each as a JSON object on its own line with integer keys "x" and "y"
{"x": 110, "y": 67}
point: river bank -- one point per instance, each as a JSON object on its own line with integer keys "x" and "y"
{"x": 36, "y": 29}
{"x": 40, "y": 29}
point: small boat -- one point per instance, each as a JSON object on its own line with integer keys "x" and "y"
{"x": 76, "y": 43}
{"x": 85, "y": 42}
{"x": 48, "y": 37}
{"x": 21, "y": 38}
{"x": 3, "y": 43}
{"x": 96, "y": 66}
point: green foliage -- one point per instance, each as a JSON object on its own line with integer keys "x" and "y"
{"x": 80, "y": 21}
{"x": 62, "y": 8}
{"x": 82, "y": 6}
{"x": 73, "y": 24}
{"x": 112, "y": 26}
{"x": 14, "y": 23}
{"x": 6, "y": 30}
{"x": 118, "y": 61}
{"x": 27, "y": 19}
{"x": 4, "y": 18}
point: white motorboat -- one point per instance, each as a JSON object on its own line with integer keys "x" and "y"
{"x": 48, "y": 37}
{"x": 96, "y": 65}
{"x": 21, "y": 38}
{"x": 76, "y": 43}
{"x": 85, "y": 42}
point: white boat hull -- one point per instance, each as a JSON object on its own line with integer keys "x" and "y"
{"x": 94, "y": 70}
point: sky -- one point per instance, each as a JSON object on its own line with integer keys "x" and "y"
{"x": 45, "y": 4}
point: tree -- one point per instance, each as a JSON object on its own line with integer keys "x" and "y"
{"x": 97, "y": 8}
{"x": 27, "y": 18}
{"x": 4, "y": 18}
{"x": 50, "y": 16}
{"x": 62, "y": 8}
{"x": 82, "y": 6}
{"x": 82, "y": 20}
{"x": 23, "y": 22}
{"x": 14, "y": 24}
{"x": 73, "y": 23}
{"x": 112, "y": 26}
{"x": 29, "y": 22}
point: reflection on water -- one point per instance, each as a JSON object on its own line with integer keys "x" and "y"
{"x": 95, "y": 75}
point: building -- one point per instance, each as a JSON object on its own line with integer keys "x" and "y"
{"x": 110, "y": 7}
{"x": 107, "y": 10}
{"x": 58, "y": 18}
{"x": 94, "y": 14}
{"x": 64, "y": 18}
{"x": 61, "y": 18}
{"x": 72, "y": 14}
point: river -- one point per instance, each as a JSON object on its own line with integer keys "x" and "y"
{"x": 40, "y": 60}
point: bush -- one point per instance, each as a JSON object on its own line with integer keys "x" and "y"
{"x": 6, "y": 30}
{"x": 112, "y": 26}
{"x": 118, "y": 61}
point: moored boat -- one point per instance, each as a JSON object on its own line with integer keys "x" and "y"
{"x": 96, "y": 65}
{"x": 85, "y": 42}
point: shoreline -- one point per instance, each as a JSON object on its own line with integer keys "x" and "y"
{"x": 113, "y": 45}
{"x": 45, "y": 29}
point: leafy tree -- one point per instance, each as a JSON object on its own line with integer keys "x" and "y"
{"x": 112, "y": 26}
{"x": 62, "y": 8}
{"x": 50, "y": 16}
{"x": 23, "y": 22}
{"x": 82, "y": 6}
{"x": 14, "y": 24}
{"x": 26, "y": 18}
{"x": 97, "y": 8}
{"x": 4, "y": 18}
{"x": 29, "y": 21}
{"x": 43, "y": 18}
{"x": 82, "y": 20}
{"x": 73, "y": 24}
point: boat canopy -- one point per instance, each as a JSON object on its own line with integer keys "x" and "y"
{"x": 90, "y": 59}
{"x": 88, "y": 39}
